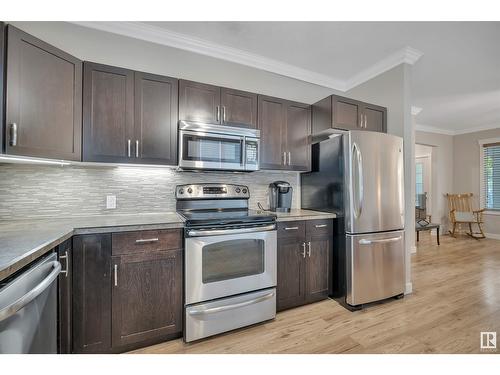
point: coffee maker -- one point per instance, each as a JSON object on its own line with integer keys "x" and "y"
{"x": 280, "y": 196}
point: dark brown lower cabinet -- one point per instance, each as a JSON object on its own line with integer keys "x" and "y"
{"x": 130, "y": 299}
{"x": 304, "y": 253}
{"x": 64, "y": 252}
{"x": 147, "y": 297}
{"x": 92, "y": 293}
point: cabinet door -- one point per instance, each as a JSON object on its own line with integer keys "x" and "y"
{"x": 239, "y": 108}
{"x": 64, "y": 253}
{"x": 291, "y": 273}
{"x": 346, "y": 113}
{"x": 272, "y": 126}
{"x": 199, "y": 102}
{"x": 108, "y": 113}
{"x": 155, "y": 125}
{"x": 319, "y": 238}
{"x": 92, "y": 293}
{"x": 298, "y": 130}
{"x": 43, "y": 99}
{"x": 375, "y": 118}
{"x": 147, "y": 296}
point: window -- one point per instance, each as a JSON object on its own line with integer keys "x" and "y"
{"x": 490, "y": 174}
{"x": 419, "y": 178}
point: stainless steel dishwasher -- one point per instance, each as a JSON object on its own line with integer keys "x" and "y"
{"x": 28, "y": 309}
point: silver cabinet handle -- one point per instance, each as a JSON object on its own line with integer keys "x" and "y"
{"x": 320, "y": 225}
{"x": 219, "y": 232}
{"x": 214, "y": 310}
{"x": 365, "y": 122}
{"x": 146, "y": 240}
{"x": 128, "y": 148}
{"x": 224, "y": 114}
{"x": 136, "y": 148}
{"x": 303, "y": 249}
{"x": 13, "y": 134}
{"x": 385, "y": 240}
{"x": 218, "y": 114}
{"x": 291, "y": 228}
{"x": 309, "y": 249}
{"x": 361, "y": 120}
{"x": 18, "y": 304}
{"x": 66, "y": 257}
{"x": 116, "y": 275}
{"x": 284, "y": 158}
{"x": 289, "y": 158}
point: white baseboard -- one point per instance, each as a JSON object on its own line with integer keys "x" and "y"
{"x": 413, "y": 250}
{"x": 493, "y": 236}
{"x": 409, "y": 288}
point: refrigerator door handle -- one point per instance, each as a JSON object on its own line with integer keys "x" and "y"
{"x": 385, "y": 240}
{"x": 358, "y": 186}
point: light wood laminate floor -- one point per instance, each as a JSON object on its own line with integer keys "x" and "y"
{"x": 456, "y": 295}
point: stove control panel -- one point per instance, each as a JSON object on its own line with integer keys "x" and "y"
{"x": 212, "y": 191}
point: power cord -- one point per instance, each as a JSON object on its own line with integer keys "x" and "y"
{"x": 261, "y": 208}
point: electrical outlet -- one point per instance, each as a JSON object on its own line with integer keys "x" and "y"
{"x": 110, "y": 202}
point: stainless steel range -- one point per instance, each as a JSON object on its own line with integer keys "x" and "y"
{"x": 230, "y": 261}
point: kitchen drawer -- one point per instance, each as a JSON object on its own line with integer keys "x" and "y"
{"x": 289, "y": 229}
{"x": 319, "y": 227}
{"x": 147, "y": 240}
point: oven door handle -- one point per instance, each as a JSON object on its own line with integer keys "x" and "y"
{"x": 219, "y": 309}
{"x": 220, "y": 232}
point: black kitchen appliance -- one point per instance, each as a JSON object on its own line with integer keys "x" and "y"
{"x": 280, "y": 196}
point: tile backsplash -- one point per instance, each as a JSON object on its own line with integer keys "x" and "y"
{"x": 33, "y": 191}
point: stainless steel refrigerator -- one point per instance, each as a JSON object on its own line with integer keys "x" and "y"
{"x": 359, "y": 175}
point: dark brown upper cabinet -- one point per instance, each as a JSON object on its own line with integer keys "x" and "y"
{"x": 43, "y": 99}
{"x": 375, "y": 118}
{"x": 200, "y": 102}
{"x": 239, "y": 108}
{"x": 128, "y": 117}
{"x": 272, "y": 126}
{"x": 298, "y": 136}
{"x": 336, "y": 112}
{"x": 155, "y": 119}
{"x": 285, "y": 134}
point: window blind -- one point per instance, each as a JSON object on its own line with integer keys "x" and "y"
{"x": 491, "y": 176}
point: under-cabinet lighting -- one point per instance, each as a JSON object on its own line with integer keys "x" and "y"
{"x": 27, "y": 160}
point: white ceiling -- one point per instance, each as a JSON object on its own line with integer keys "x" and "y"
{"x": 456, "y": 82}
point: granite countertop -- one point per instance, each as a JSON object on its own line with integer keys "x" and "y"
{"x": 23, "y": 241}
{"x": 297, "y": 214}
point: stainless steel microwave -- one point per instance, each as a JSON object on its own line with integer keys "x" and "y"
{"x": 218, "y": 147}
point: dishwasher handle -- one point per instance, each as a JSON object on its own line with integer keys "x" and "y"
{"x": 17, "y": 305}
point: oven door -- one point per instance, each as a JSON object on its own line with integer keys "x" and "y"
{"x": 225, "y": 262}
{"x": 203, "y": 150}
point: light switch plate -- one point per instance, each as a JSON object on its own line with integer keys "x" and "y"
{"x": 110, "y": 202}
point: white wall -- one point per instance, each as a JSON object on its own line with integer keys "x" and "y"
{"x": 466, "y": 172}
{"x": 442, "y": 173}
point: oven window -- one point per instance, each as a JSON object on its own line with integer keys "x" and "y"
{"x": 232, "y": 259}
{"x": 211, "y": 149}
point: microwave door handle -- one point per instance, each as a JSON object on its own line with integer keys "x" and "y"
{"x": 243, "y": 151}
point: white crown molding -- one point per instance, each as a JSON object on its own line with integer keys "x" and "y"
{"x": 433, "y": 129}
{"x": 169, "y": 38}
{"x": 185, "y": 42}
{"x": 415, "y": 110}
{"x": 476, "y": 129}
{"x": 406, "y": 55}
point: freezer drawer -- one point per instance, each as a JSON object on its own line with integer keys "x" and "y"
{"x": 225, "y": 314}
{"x": 375, "y": 266}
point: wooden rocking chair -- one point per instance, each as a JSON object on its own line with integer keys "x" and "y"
{"x": 461, "y": 212}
